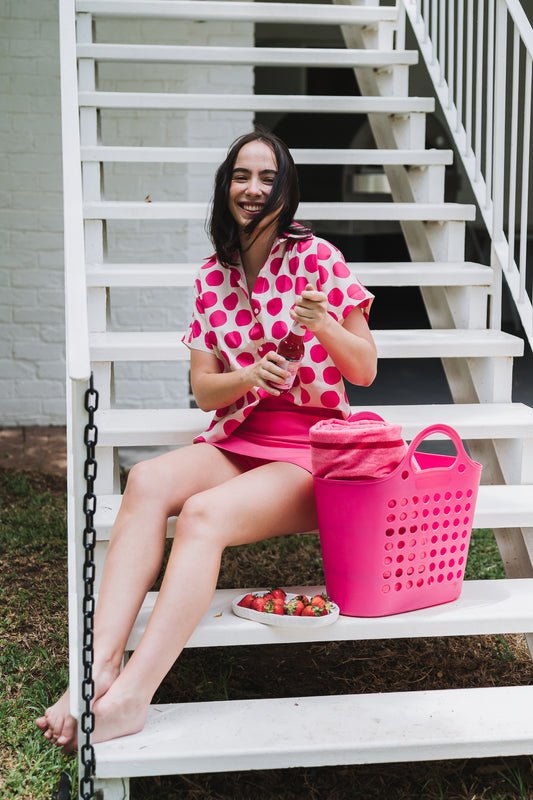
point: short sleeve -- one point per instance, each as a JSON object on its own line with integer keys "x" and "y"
{"x": 197, "y": 335}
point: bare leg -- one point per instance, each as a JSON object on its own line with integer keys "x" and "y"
{"x": 270, "y": 500}
{"x": 156, "y": 490}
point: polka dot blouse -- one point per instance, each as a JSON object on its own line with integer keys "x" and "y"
{"x": 239, "y": 329}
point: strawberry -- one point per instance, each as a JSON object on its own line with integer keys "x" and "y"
{"x": 246, "y": 601}
{"x": 320, "y": 600}
{"x": 258, "y": 604}
{"x": 313, "y": 611}
{"x": 294, "y": 607}
{"x": 267, "y": 596}
{"x": 271, "y": 607}
{"x": 303, "y": 599}
{"x": 278, "y": 593}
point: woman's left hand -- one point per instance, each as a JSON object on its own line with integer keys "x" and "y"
{"x": 311, "y": 309}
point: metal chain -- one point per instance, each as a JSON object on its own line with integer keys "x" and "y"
{"x": 90, "y": 438}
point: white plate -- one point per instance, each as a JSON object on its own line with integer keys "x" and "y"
{"x": 285, "y": 621}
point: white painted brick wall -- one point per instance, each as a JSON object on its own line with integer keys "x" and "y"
{"x": 32, "y": 383}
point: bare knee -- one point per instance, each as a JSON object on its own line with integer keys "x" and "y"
{"x": 200, "y": 520}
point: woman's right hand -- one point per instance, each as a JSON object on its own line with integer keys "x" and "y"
{"x": 268, "y": 371}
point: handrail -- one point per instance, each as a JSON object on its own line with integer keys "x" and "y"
{"x": 485, "y": 74}
{"x": 76, "y": 317}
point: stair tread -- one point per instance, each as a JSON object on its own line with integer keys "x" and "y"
{"x": 434, "y": 212}
{"x": 273, "y": 56}
{"x": 215, "y": 155}
{"x": 326, "y": 730}
{"x": 417, "y": 273}
{"x": 484, "y": 607}
{"x": 320, "y": 14}
{"x": 422, "y": 343}
{"x": 497, "y": 507}
{"x": 296, "y": 103}
{"x": 176, "y": 426}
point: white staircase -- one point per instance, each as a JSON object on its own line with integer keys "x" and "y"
{"x": 478, "y": 363}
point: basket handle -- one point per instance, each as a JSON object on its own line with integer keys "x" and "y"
{"x": 462, "y": 455}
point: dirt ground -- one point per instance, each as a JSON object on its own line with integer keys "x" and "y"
{"x": 34, "y": 448}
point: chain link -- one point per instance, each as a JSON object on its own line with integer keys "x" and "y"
{"x": 90, "y": 439}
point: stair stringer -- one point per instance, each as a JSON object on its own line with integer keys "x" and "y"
{"x": 485, "y": 381}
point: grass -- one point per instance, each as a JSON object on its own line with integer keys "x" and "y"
{"x": 33, "y": 670}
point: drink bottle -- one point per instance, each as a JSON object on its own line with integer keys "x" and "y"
{"x": 292, "y": 349}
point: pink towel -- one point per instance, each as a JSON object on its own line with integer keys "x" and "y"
{"x": 355, "y": 448}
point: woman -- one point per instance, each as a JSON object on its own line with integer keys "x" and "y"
{"x": 247, "y": 477}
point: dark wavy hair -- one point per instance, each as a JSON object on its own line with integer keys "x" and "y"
{"x": 284, "y": 198}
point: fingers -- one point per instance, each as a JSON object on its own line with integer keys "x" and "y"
{"x": 270, "y": 371}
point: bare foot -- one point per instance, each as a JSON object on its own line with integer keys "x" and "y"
{"x": 59, "y": 726}
{"x": 118, "y": 715}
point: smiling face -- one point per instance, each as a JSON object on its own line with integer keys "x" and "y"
{"x": 253, "y": 174}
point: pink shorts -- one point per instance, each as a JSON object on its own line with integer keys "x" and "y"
{"x": 276, "y": 430}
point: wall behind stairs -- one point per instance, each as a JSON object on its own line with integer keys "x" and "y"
{"x": 32, "y": 368}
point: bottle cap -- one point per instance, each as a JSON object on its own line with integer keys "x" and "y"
{"x": 298, "y": 329}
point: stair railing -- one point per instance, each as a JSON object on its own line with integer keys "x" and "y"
{"x": 77, "y": 348}
{"x": 479, "y": 56}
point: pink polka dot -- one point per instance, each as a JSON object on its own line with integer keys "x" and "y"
{"x": 305, "y": 396}
{"x": 293, "y": 265}
{"x": 209, "y": 299}
{"x": 256, "y": 306}
{"x": 225, "y": 356}
{"x": 275, "y": 265}
{"x": 347, "y": 310}
{"x": 218, "y": 318}
{"x": 283, "y": 284}
{"x": 340, "y": 270}
{"x": 274, "y": 306}
{"x": 239, "y": 403}
{"x": 198, "y": 285}
{"x": 233, "y": 339}
{"x": 323, "y": 274}
{"x": 330, "y": 399}
{"x": 261, "y": 285}
{"x": 323, "y": 251}
{"x": 199, "y": 439}
{"x": 215, "y": 278}
{"x": 300, "y": 284}
{"x": 243, "y": 317}
{"x": 304, "y": 245}
{"x": 234, "y": 278}
{"x": 256, "y": 332}
{"x": 318, "y": 354}
{"x": 279, "y": 329}
{"x": 332, "y": 375}
{"x": 199, "y": 306}
{"x": 211, "y": 339}
{"x": 310, "y": 262}
{"x": 250, "y": 397}
{"x": 267, "y": 348}
{"x": 248, "y": 411}
{"x": 230, "y": 426}
{"x": 196, "y": 329}
{"x": 335, "y": 297}
{"x": 308, "y": 335}
{"x": 245, "y": 359}
{"x": 210, "y": 263}
{"x": 230, "y": 301}
{"x": 355, "y": 291}
{"x": 307, "y": 374}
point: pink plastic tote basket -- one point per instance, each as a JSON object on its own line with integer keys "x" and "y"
{"x": 398, "y": 543}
